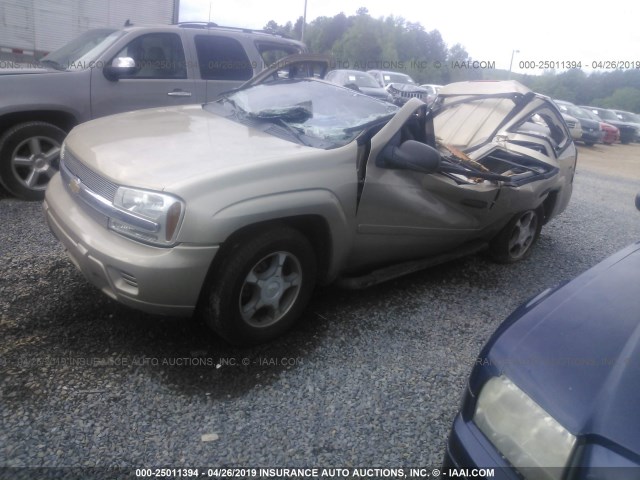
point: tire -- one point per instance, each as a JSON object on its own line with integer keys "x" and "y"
{"x": 515, "y": 241}
{"x": 29, "y": 156}
{"x": 261, "y": 286}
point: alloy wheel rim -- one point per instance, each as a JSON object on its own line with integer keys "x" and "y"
{"x": 523, "y": 234}
{"x": 270, "y": 289}
{"x": 34, "y": 161}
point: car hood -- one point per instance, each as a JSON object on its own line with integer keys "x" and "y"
{"x": 589, "y": 123}
{"x": 406, "y": 87}
{"x": 622, "y": 125}
{"x": 577, "y": 353}
{"x": 148, "y": 148}
{"x": 374, "y": 91}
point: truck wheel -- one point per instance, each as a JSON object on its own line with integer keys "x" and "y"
{"x": 261, "y": 286}
{"x": 29, "y": 156}
{"x": 515, "y": 240}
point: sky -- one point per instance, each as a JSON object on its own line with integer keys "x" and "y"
{"x": 491, "y": 31}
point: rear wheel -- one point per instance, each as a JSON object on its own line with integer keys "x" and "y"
{"x": 29, "y": 156}
{"x": 261, "y": 286}
{"x": 515, "y": 240}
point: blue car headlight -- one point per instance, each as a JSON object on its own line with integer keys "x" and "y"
{"x": 522, "y": 431}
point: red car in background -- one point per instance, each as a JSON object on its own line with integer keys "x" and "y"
{"x": 611, "y": 133}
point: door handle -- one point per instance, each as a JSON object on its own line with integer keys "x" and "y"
{"x": 179, "y": 93}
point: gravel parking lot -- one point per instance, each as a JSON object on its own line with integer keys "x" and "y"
{"x": 369, "y": 378}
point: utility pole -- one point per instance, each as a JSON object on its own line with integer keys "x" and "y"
{"x": 304, "y": 21}
{"x": 513, "y": 52}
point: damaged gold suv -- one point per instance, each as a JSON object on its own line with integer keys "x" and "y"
{"x": 236, "y": 209}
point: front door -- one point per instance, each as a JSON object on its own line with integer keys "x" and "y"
{"x": 405, "y": 214}
{"x": 160, "y": 78}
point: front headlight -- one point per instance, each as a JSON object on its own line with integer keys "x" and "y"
{"x": 522, "y": 431}
{"x": 151, "y": 217}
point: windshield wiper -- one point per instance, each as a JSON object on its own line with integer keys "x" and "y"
{"x": 236, "y": 108}
{"x": 281, "y": 117}
{"x": 299, "y": 113}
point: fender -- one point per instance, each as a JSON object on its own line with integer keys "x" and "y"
{"x": 321, "y": 203}
{"x": 60, "y": 92}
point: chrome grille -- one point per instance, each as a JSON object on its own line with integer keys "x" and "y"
{"x": 412, "y": 95}
{"x": 91, "y": 179}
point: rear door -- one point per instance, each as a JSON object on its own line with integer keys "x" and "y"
{"x": 222, "y": 64}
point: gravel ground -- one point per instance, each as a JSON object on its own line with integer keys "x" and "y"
{"x": 370, "y": 378}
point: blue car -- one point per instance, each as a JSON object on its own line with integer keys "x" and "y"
{"x": 555, "y": 393}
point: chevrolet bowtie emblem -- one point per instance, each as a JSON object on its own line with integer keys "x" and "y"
{"x": 74, "y": 185}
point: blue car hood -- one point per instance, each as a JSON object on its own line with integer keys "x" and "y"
{"x": 577, "y": 353}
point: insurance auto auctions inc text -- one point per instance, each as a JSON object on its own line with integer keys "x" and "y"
{"x": 348, "y": 473}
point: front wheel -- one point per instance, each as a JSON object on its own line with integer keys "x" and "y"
{"x": 261, "y": 286}
{"x": 29, "y": 156}
{"x": 515, "y": 240}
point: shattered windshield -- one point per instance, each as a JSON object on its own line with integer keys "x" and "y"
{"x": 308, "y": 112}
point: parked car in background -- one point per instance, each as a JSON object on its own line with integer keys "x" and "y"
{"x": 630, "y": 117}
{"x": 238, "y": 208}
{"x": 360, "y": 81}
{"x": 628, "y": 132}
{"x": 611, "y": 134}
{"x": 554, "y": 392}
{"x": 432, "y": 90}
{"x": 575, "y": 127}
{"x": 400, "y": 85}
{"x": 107, "y": 71}
{"x": 591, "y": 131}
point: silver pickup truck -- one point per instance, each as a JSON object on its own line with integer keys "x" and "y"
{"x": 108, "y": 71}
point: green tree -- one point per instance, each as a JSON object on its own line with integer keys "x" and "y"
{"x": 285, "y": 30}
{"x": 458, "y": 55}
{"x": 324, "y": 32}
{"x": 361, "y": 45}
{"x": 626, "y": 98}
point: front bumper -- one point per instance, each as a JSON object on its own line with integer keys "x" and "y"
{"x": 627, "y": 134}
{"x": 592, "y": 136}
{"x": 157, "y": 280}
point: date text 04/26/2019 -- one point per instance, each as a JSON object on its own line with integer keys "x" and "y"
{"x": 573, "y": 64}
{"x": 315, "y": 472}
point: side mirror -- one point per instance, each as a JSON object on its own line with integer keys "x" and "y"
{"x": 120, "y": 67}
{"x": 638, "y": 201}
{"x": 412, "y": 155}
